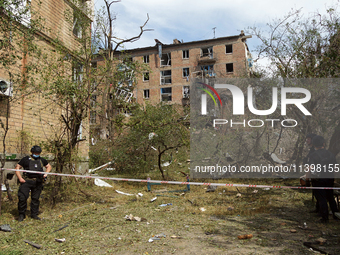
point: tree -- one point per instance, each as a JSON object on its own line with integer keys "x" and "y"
{"x": 72, "y": 91}
{"x": 119, "y": 72}
{"x": 299, "y": 47}
{"x": 149, "y": 133}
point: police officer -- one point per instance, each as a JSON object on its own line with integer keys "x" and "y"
{"x": 320, "y": 162}
{"x": 31, "y": 182}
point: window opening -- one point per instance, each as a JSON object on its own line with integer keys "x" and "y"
{"x": 166, "y": 77}
{"x": 186, "y": 91}
{"x": 185, "y": 54}
{"x": 230, "y": 67}
{"x": 208, "y": 70}
{"x": 93, "y": 116}
{"x": 207, "y": 52}
{"x": 166, "y": 94}
{"x": 146, "y": 59}
{"x": 229, "y": 48}
{"x": 186, "y": 72}
{"x": 146, "y": 76}
{"x": 166, "y": 59}
{"x": 146, "y": 93}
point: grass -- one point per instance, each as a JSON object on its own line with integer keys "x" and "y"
{"x": 96, "y": 224}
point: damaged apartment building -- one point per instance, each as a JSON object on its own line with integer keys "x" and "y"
{"x": 172, "y": 66}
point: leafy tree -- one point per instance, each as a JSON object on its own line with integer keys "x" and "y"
{"x": 299, "y": 47}
{"x": 148, "y": 134}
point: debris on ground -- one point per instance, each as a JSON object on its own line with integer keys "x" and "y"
{"x": 123, "y": 193}
{"x": 152, "y": 200}
{"x": 211, "y": 188}
{"x": 321, "y": 241}
{"x": 160, "y": 235}
{"x": 202, "y": 209}
{"x": 176, "y": 237}
{"x": 5, "y": 228}
{"x": 157, "y": 237}
{"x": 238, "y": 195}
{"x": 60, "y": 240}
{"x": 245, "y": 236}
{"x": 165, "y": 204}
{"x": 101, "y": 183}
{"x": 38, "y": 246}
{"x": 60, "y": 228}
{"x": 134, "y": 218}
{"x": 293, "y": 231}
{"x": 153, "y": 239}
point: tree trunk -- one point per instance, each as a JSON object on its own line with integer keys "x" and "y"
{"x": 334, "y": 143}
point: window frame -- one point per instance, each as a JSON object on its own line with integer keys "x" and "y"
{"x": 232, "y": 48}
{"x": 168, "y": 59}
{"x": 165, "y": 77}
{"x": 148, "y": 93}
{"x": 166, "y": 94}
{"x": 144, "y": 76}
{"x": 146, "y": 59}
{"x": 184, "y": 54}
{"x": 183, "y": 71}
{"x": 232, "y": 65}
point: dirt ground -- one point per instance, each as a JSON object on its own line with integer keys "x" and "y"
{"x": 196, "y": 222}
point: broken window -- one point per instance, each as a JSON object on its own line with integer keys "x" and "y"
{"x": 166, "y": 94}
{"x": 229, "y": 48}
{"x": 185, "y": 53}
{"x": 78, "y": 73}
{"x": 20, "y": 11}
{"x": 93, "y": 101}
{"x": 230, "y": 67}
{"x": 166, "y": 77}
{"x": 207, "y": 52}
{"x": 208, "y": 70}
{"x": 146, "y": 76}
{"x": 186, "y": 91}
{"x": 77, "y": 29}
{"x": 166, "y": 59}
{"x": 93, "y": 116}
{"x": 146, "y": 93}
{"x": 124, "y": 95}
{"x": 186, "y": 72}
{"x": 146, "y": 59}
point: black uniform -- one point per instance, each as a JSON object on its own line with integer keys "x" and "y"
{"x": 33, "y": 183}
{"x": 323, "y": 158}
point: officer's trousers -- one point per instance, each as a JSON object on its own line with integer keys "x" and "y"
{"x": 35, "y": 187}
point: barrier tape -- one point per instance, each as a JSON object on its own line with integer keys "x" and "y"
{"x": 172, "y": 182}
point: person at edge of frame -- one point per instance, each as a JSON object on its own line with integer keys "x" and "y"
{"x": 31, "y": 182}
{"x": 309, "y": 143}
{"x": 325, "y": 159}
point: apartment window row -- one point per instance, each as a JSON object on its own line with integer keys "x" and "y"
{"x": 205, "y": 51}
{"x": 166, "y": 93}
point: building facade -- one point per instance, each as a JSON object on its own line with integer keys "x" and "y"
{"x": 34, "y": 119}
{"x": 172, "y": 66}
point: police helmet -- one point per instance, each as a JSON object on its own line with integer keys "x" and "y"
{"x": 36, "y": 149}
{"x": 318, "y": 141}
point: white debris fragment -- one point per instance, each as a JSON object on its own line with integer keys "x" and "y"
{"x": 101, "y": 183}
